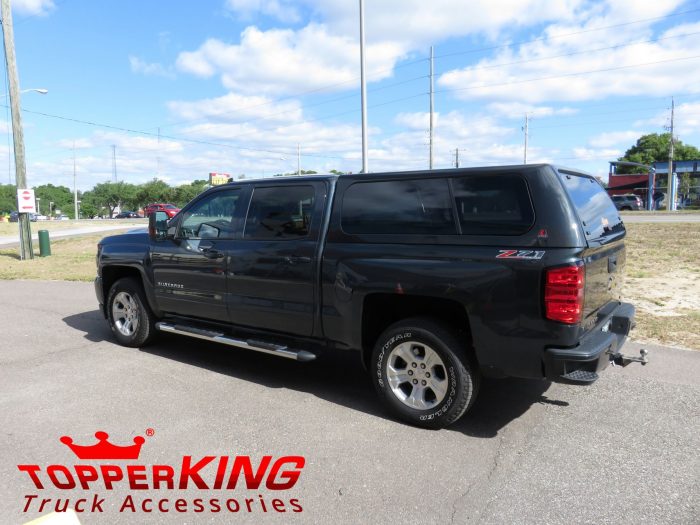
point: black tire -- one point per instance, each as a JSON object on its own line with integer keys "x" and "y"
{"x": 452, "y": 381}
{"x": 130, "y": 318}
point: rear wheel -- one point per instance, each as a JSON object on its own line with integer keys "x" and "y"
{"x": 423, "y": 374}
{"x": 130, "y": 318}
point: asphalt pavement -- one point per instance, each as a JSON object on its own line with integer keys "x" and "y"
{"x": 624, "y": 450}
{"x": 11, "y": 240}
{"x": 660, "y": 216}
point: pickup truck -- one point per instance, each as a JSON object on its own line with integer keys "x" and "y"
{"x": 434, "y": 278}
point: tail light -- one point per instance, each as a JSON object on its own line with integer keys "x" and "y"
{"x": 563, "y": 293}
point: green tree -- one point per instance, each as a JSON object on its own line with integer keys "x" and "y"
{"x": 655, "y": 147}
{"x": 61, "y": 196}
{"x": 109, "y": 195}
{"x": 155, "y": 190}
{"x": 186, "y": 192}
{"x": 8, "y": 198}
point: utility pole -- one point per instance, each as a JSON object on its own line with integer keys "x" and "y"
{"x": 298, "y": 159}
{"x": 25, "y": 232}
{"x": 671, "y": 191}
{"x": 526, "y": 130}
{"x": 114, "y": 163}
{"x": 75, "y": 186}
{"x": 457, "y": 158}
{"x": 430, "y": 164}
{"x": 363, "y": 88}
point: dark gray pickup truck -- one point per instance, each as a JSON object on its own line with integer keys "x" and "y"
{"x": 434, "y": 278}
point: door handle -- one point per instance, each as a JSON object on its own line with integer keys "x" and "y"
{"x": 211, "y": 253}
{"x": 293, "y": 259}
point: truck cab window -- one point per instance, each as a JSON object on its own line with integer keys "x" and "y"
{"x": 280, "y": 212}
{"x": 211, "y": 218}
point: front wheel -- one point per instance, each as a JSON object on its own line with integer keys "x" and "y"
{"x": 423, "y": 374}
{"x": 130, "y": 318}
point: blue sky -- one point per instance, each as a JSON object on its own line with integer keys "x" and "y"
{"x": 234, "y": 85}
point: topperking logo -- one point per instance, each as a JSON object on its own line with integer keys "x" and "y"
{"x": 228, "y": 484}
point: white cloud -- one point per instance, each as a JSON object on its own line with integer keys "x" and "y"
{"x": 280, "y": 9}
{"x": 583, "y": 66}
{"x": 614, "y": 138}
{"x": 517, "y": 110}
{"x": 687, "y": 119}
{"x": 149, "y": 68}
{"x": 33, "y": 7}
{"x": 597, "y": 153}
{"x": 235, "y": 108}
{"x": 285, "y": 60}
{"x": 417, "y": 23}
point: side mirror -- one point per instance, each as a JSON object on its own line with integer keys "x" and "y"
{"x": 158, "y": 226}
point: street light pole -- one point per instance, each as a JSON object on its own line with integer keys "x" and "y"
{"x": 25, "y": 232}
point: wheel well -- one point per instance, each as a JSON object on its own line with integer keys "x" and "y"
{"x": 381, "y": 310}
{"x": 112, "y": 274}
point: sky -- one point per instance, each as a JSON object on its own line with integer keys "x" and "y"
{"x": 176, "y": 90}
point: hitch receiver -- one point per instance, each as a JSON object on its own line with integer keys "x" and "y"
{"x": 619, "y": 359}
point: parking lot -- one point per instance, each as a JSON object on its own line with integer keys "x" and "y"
{"x": 621, "y": 451}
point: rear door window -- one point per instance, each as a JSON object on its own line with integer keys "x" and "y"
{"x": 493, "y": 204}
{"x": 398, "y": 207}
{"x": 597, "y": 212}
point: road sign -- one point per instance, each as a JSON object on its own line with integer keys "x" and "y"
{"x": 26, "y": 203}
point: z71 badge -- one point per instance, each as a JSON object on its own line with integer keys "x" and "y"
{"x": 519, "y": 254}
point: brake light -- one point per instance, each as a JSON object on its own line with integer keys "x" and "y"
{"x": 563, "y": 293}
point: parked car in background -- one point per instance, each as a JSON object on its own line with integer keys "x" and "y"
{"x": 128, "y": 215}
{"x": 170, "y": 209}
{"x": 62, "y": 217}
{"x": 14, "y": 216}
{"x": 628, "y": 202}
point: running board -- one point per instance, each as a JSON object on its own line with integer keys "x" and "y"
{"x": 250, "y": 344}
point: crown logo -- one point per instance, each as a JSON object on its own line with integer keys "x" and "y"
{"x": 104, "y": 449}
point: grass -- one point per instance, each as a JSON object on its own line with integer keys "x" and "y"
{"x": 662, "y": 275}
{"x": 663, "y": 281}
{"x": 70, "y": 260}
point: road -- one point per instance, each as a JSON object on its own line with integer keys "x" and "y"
{"x": 11, "y": 240}
{"x": 661, "y": 217}
{"x": 624, "y": 450}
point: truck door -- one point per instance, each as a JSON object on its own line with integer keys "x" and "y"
{"x": 272, "y": 273}
{"x": 189, "y": 271}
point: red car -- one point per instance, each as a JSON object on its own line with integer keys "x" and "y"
{"x": 170, "y": 209}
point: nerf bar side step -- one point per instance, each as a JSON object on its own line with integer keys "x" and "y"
{"x": 218, "y": 337}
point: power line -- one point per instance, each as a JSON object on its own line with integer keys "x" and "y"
{"x": 406, "y": 64}
{"x": 565, "y": 75}
{"x": 583, "y": 31}
{"x": 582, "y": 52}
{"x": 149, "y": 134}
{"x": 337, "y": 99}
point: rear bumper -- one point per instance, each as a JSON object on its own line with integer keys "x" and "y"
{"x": 581, "y": 364}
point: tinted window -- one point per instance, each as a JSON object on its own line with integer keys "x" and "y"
{"x": 595, "y": 209}
{"x": 493, "y": 204}
{"x": 281, "y": 212}
{"x": 401, "y": 206}
{"x": 211, "y": 217}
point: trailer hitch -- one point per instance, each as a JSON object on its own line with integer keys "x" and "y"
{"x": 619, "y": 359}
